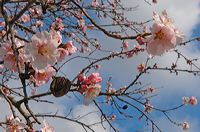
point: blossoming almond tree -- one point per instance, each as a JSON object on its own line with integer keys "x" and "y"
{"x": 40, "y": 38}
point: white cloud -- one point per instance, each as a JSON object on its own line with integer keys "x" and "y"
{"x": 86, "y": 114}
{"x": 90, "y": 114}
{"x": 184, "y": 13}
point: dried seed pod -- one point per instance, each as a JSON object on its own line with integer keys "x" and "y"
{"x": 60, "y": 86}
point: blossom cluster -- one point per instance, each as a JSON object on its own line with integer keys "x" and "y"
{"x": 57, "y": 25}
{"x": 190, "y": 100}
{"x": 8, "y": 57}
{"x": 109, "y": 91}
{"x": 89, "y": 86}
{"x": 15, "y": 125}
{"x": 148, "y": 107}
{"x": 44, "y": 50}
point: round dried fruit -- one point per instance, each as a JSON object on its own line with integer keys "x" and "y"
{"x": 60, "y": 86}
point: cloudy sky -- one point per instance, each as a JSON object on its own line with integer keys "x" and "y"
{"x": 186, "y": 16}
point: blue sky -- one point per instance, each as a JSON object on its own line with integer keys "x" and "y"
{"x": 122, "y": 71}
{"x": 172, "y": 87}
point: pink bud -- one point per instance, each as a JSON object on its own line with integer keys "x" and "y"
{"x": 193, "y": 100}
{"x": 97, "y": 66}
{"x": 125, "y": 45}
{"x": 113, "y": 117}
{"x": 2, "y": 24}
{"x": 81, "y": 78}
{"x": 58, "y": 20}
{"x": 185, "y": 125}
{"x": 148, "y": 107}
{"x": 140, "y": 40}
{"x": 151, "y": 89}
{"x": 141, "y": 67}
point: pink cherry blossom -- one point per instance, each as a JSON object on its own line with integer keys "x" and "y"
{"x": 56, "y": 37}
{"x": 70, "y": 47}
{"x": 8, "y": 57}
{"x": 141, "y": 67}
{"x": 95, "y": 3}
{"x": 43, "y": 76}
{"x": 185, "y": 125}
{"x": 89, "y": 86}
{"x": 62, "y": 54}
{"x": 4, "y": 49}
{"x": 35, "y": 12}
{"x": 137, "y": 48}
{"x": 42, "y": 51}
{"x": 14, "y": 124}
{"x": 39, "y": 23}
{"x": 81, "y": 77}
{"x": 91, "y": 93}
{"x": 164, "y": 35}
{"x": 163, "y": 39}
{"x": 165, "y": 20}
{"x": 110, "y": 90}
{"x": 25, "y": 18}
{"x": 93, "y": 79}
{"x": 57, "y": 25}
{"x": 66, "y": 49}
{"x": 10, "y": 62}
{"x": 47, "y": 127}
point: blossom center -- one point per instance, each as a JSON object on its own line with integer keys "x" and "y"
{"x": 43, "y": 50}
{"x": 159, "y": 35}
{"x": 14, "y": 128}
{"x": 42, "y": 75}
